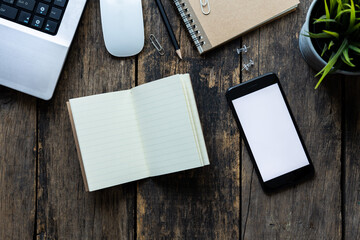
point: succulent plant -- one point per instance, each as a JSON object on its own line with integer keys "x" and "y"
{"x": 338, "y": 31}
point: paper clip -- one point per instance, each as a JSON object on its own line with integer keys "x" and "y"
{"x": 156, "y": 44}
{"x": 205, "y": 4}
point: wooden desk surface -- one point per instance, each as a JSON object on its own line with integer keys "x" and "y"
{"x": 41, "y": 190}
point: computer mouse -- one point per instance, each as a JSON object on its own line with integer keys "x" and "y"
{"x": 123, "y": 26}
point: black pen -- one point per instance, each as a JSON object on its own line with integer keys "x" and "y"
{"x": 168, "y": 28}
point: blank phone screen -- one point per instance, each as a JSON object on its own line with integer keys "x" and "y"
{"x": 270, "y": 132}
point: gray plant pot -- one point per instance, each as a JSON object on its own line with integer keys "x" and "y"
{"x": 308, "y": 51}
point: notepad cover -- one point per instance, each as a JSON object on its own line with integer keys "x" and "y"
{"x": 229, "y": 19}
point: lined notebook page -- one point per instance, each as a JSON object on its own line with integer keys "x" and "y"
{"x": 166, "y": 130}
{"x": 109, "y": 139}
{"x": 194, "y": 117}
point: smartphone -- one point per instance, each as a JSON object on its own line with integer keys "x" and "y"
{"x": 270, "y": 132}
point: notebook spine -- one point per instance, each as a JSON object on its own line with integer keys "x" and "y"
{"x": 190, "y": 24}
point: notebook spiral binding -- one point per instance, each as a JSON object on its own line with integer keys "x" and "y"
{"x": 190, "y": 25}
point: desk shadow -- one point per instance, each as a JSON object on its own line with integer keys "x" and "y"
{"x": 186, "y": 184}
{"x": 8, "y": 96}
{"x": 351, "y": 104}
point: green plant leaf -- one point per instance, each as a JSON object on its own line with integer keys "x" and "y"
{"x": 357, "y": 26}
{"x": 322, "y": 17}
{"x": 324, "y": 50}
{"x": 347, "y": 58}
{"x": 327, "y": 10}
{"x": 355, "y": 49}
{"x": 332, "y": 5}
{"x": 327, "y": 13}
{"x": 352, "y": 16}
{"x": 346, "y": 61}
{"x": 344, "y": 11}
{"x": 340, "y": 6}
{"x": 318, "y": 35}
{"x": 322, "y": 70}
{"x": 331, "y": 44}
{"x": 320, "y": 20}
{"x": 334, "y": 34}
{"x": 333, "y": 59}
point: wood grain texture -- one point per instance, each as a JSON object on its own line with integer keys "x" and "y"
{"x": 42, "y": 195}
{"x": 352, "y": 161}
{"x": 201, "y": 203}
{"x": 17, "y": 164}
{"x": 64, "y": 209}
{"x": 311, "y": 210}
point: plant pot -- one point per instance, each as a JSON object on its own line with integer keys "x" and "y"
{"x": 309, "y": 53}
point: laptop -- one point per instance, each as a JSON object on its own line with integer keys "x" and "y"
{"x": 35, "y": 36}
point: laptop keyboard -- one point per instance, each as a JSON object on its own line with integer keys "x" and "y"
{"x": 42, "y": 15}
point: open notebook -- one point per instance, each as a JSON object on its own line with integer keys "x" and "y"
{"x": 228, "y": 19}
{"x": 150, "y": 130}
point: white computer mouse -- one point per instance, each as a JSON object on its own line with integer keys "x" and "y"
{"x": 123, "y": 26}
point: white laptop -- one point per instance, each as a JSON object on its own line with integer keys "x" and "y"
{"x": 35, "y": 36}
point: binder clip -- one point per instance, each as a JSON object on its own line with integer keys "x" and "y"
{"x": 244, "y": 49}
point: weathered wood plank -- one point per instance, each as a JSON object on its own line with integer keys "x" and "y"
{"x": 65, "y": 210}
{"x": 17, "y": 164}
{"x": 201, "y": 203}
{"x": 311, "y": 210}
{"x": 352, "y": 162}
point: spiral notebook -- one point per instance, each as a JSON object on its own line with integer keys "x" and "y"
{"x": 228, "y": 19}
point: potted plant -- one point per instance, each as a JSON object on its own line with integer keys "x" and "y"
{"x": 330, "y": 38}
